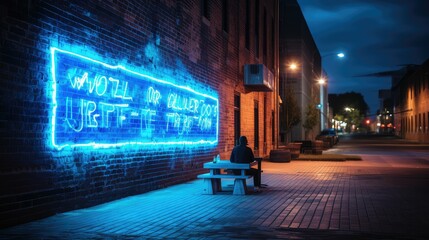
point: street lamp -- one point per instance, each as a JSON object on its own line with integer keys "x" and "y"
{"x": 293, "y": 66}
{"x": 289, "y": 68}
{"x": 338, "y": 54}
{"x": 322, "y": 82}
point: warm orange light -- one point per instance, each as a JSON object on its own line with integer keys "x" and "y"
{"x": 293, "y": 66}
{"x": 321, "y": 81}
{"x": 367, "y": 122}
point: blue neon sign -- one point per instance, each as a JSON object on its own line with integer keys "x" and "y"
{"x": 99, "y": 105}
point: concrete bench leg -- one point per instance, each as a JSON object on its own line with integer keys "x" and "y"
{"x": 208, "y": 186}
{"x": 211, "y": 186}
{"x": 217, "y": 185}
{"x": 240, "y": 187}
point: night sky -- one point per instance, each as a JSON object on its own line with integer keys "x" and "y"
{"x": 375, "y": 35}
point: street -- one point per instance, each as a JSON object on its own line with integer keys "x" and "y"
{"x": 383, "y": 196}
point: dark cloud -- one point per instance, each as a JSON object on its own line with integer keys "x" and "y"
{"x": 377, "y": 35}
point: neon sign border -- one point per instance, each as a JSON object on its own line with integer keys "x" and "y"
{"x": 53, "y": 50}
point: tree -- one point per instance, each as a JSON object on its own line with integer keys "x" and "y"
{"x": 290, "y": 113}
{"x": 349, "y": 107}
{"x": 354, "y": 100}
{"x": 311, "y": 118}
{"x": 353, "y": 118}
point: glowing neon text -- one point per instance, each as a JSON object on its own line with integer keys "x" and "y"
{"x": 99, "y": 105}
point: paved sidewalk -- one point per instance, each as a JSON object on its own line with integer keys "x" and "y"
{"x": 369, "y": 199}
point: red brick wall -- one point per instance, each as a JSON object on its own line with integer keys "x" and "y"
{"x": 412, "y": 113}
{"x": 37, "y": 180}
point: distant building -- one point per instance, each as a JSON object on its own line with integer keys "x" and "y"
{"x": 392, "y": 100}
{"x": 410, "y": 96}
{"x": 297, "y": 46}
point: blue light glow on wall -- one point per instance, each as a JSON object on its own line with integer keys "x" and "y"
{"x": 99, "y": 105}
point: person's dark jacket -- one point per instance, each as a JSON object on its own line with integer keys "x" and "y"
{"x": 242, "y": 154}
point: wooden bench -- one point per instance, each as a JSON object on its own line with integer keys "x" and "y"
{"x": 212, "y": 180}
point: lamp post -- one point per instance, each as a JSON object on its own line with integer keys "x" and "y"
{"x": 284, "y": 92}
{"x": 322, "y": 82}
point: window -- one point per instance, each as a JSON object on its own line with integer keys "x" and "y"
{"x": 415, "y": 89}
{"x": 264, "y": 37}
{"x": 256, "y": 124}
{"x": 225, "y": 19}
{"x": 257, "y": 28}
{"x": 247, "y": 26}
{"x": 420, "y": 123}
{"x": 205, "y": 9}
{"x": 415, "y": 124}
{"x": 411, "y": 92}
{"x": 272, "y": 43}
{"x": 265, "y": 122}
{"x": 408, "y": 124}
{"x": 272, "y": 128}
{"x": 236, "y": 118}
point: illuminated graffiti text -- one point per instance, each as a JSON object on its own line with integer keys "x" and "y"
{"x": 100, "y": 105}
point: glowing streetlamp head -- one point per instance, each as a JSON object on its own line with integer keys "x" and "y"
{"x": 293, "y": 66}
{"x": 321, "y": 81}
{"x": 341, "y": 55}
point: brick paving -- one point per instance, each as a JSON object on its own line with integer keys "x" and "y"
{"x": 380, "y": 197}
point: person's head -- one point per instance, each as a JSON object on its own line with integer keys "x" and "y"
{"x": 243, "y": 140}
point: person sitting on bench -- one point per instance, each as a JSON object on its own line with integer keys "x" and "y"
{"x": 243, "y": 154}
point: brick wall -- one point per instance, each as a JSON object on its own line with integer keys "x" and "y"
{"x": 411, "y": 115}
{"x": 165, "y": 39}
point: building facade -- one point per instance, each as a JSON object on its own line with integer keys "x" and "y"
{"x": 102, "y": 100}
{"x": 411, "y": 104}
{"x": 297, "y": 46}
